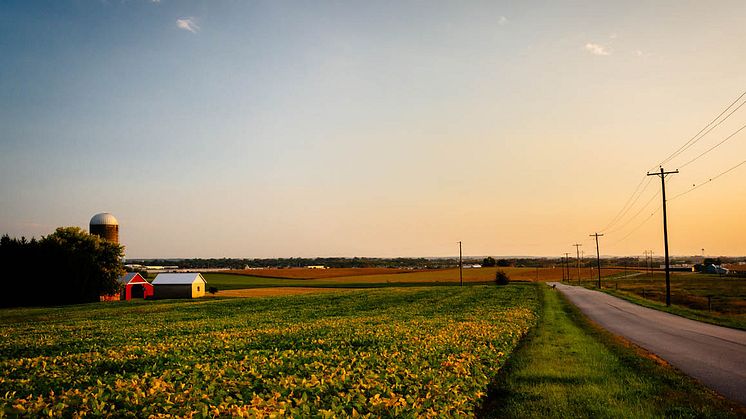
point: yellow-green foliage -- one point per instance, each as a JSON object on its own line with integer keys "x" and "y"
{"x": 391, "y": 352}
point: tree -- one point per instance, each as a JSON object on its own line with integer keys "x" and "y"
{"x": 91, "y": 264}
{"x": 504, "y": 263}
{"x": 501, "y": 278}
{"x": 489, "y": 262}
{"x": 66, "y": 267}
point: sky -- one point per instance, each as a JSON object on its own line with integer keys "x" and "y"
{"x": 300, "y": 129}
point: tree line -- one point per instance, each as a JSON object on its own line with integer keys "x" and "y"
{"x": 329, "y": 262}
{"x": 68, "y": 266}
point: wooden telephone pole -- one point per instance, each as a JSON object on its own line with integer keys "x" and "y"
{"x": 577, "y": 250}
{"x": 460, "y": 265}
{"x": 598, "y": 258}
{"x": 662, "y": 175}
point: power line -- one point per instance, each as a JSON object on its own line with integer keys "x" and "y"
{"x": 638, "y": 226}
{"x": 630, "y": 203}
{"x": 708, "y": 180}
{"x": 713, "y": 147}
{"x": 637, "y": 213}
{"x": 632, "y": 200}
{"x": 697, "y": 136}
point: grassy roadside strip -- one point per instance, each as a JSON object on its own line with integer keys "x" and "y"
{"x": 569, "y": 367}
{"x": 689, "y": 313}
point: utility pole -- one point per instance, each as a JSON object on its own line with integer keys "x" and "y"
{"x": 563, "y": 270}
{"x": 577, "y": 252}
{"x": 567, "y": 265}
{"x": 460, "y": 265}
{"x": 662, "y": 175}
{"x": 649, "y": 262}
{"x": 598, "y": 258}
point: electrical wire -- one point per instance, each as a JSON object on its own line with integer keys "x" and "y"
{"x": 713, "y": 147}
{"x": 637, "y": 227}
{"x": 637, "y": 193}
{"x": 637, "y": 213}
{"x": 708, "y": 181}
{"x": 698, "y": 137}
{"x": 631, "y": 201}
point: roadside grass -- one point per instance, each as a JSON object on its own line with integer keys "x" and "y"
{"x": 706, "y": 298}
{"x": 569, "y": 367}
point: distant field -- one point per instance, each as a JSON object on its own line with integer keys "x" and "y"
{"x": 689, "y": 295}
{"x": 225, "y": 281}
{"x": 306, "y": 273}
{"x": 408, "y": 352}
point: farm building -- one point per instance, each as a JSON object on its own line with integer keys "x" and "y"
{"x": 105, "y": 226}
{"x": 179, "y": 285}
{"x": 135, "y": 286}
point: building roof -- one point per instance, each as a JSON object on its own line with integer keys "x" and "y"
{"x": 177, "y": 278}
{"x": 132, "y": 277}
{"x": 103, "y": 218}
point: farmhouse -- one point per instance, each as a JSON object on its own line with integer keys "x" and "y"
{"x": 179, "y": 285}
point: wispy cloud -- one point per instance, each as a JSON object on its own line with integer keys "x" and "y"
{"x": 597, "y": 49}
{"x": 188, "y": 24}
{"x": 502, "y": 20}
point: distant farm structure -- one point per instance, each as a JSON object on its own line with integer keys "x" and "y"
{"x": 135, "y": 286}
{"x": 179, "y": 285}
{"x": 105, "y": 226}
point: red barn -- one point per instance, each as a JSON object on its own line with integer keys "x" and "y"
{"x": 135, "y": 286}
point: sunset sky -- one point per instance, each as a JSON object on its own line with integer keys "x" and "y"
{"x": 279, "y": 129}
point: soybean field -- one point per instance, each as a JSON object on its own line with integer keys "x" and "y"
{"x": 382, "y": 352}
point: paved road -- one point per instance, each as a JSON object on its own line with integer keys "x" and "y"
{"x": 714, "y": 355}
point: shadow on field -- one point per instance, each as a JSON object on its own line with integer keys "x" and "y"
{"x": 498, "y": 391}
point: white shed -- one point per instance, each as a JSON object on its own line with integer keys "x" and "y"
{"x": 179, "y": 285}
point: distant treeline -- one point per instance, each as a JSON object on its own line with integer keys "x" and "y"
{"x": 330, "y": 262}
{"x": 414, "y": 263}
{"x": 342, "y": 262}
{"x": 66, "y": 267}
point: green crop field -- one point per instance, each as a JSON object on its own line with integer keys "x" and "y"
{"x": 383, "y": 352}
{"x": 708, "y": 298}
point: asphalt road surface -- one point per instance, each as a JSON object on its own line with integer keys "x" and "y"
{"x": 714, "y": 355}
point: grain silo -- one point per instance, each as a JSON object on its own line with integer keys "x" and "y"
{"x": 105, "y": 226}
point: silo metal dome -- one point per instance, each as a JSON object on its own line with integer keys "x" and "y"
{"x": 105, "y": 226}
{"x": 104, "y": 218}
